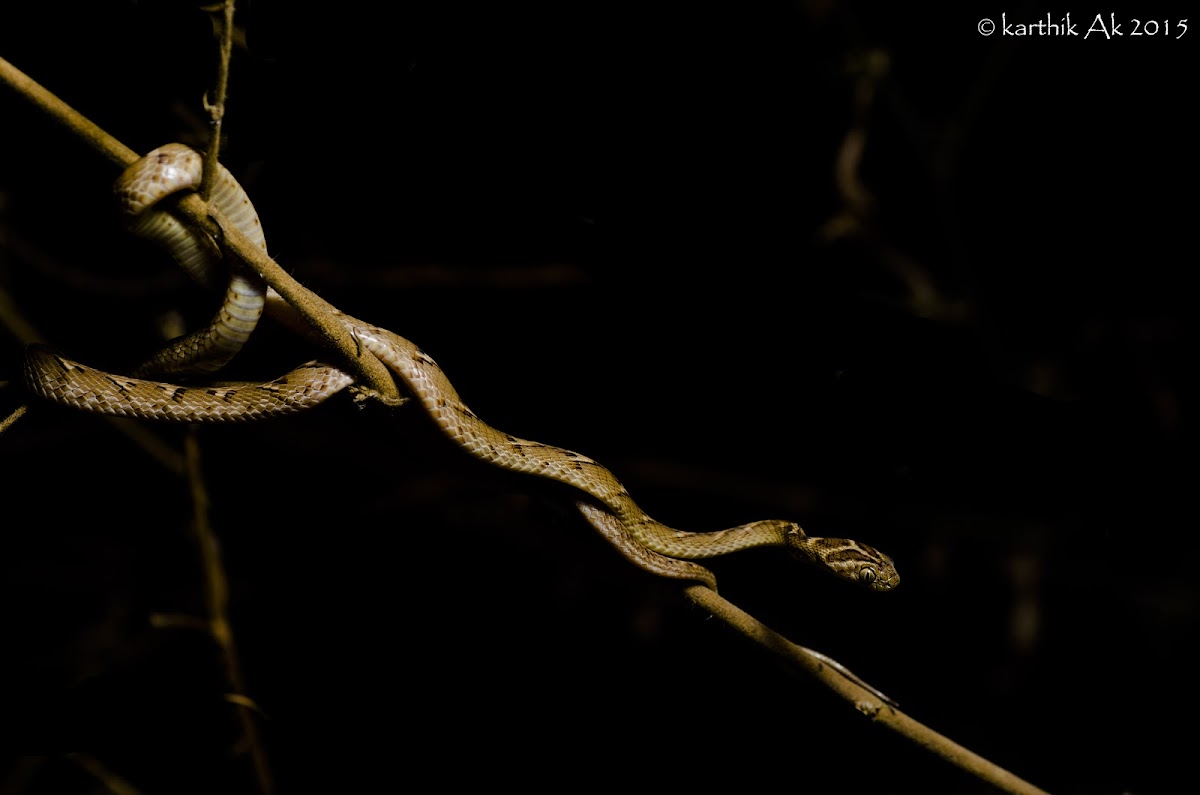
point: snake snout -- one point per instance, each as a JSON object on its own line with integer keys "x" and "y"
{"x": 888, "y": 578}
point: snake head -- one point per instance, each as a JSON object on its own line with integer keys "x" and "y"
{"x": 848, "y": 559}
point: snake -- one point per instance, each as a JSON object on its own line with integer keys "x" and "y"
{"x": 602, "y": 500}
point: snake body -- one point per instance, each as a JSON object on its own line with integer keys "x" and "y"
{"x": 62, "y": 380}
{"x": 614, "y": 511}
{"x": 166, "y": 171}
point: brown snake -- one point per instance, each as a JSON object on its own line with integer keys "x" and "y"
{"x": 614, "y": 513}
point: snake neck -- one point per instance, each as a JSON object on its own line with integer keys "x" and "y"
{"x": 694, "y": 546}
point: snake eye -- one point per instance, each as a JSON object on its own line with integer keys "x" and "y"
{"x": 866, "y": 575}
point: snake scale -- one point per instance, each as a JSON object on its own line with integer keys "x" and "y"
{"x": 607, "y": 506}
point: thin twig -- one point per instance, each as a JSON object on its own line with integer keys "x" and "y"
{"x": 856, "y": 217}
{"x": 13, "y": 416}
{"x": 216, "y": 600}
{"x": 216, "y": 106}
{"x": 111, "y": 781}
{"x": 216, "y": 584}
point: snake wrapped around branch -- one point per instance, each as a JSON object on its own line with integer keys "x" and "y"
{"x": 604, "y": 502}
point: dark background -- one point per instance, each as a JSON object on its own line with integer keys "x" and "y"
{"x": 618, "y": 229}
